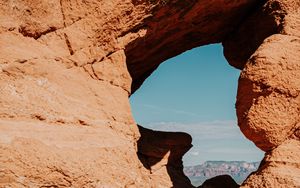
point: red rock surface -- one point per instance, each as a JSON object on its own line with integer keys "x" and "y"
{"x": 67, "y": 69}
{"x": 161, "y": 153}
{"x": 268, "y": 101}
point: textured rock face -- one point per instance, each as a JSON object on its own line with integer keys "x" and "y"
{"x": 158, "y": 149}
{"x": 176, "y": 26}
{"x": 268, "y": 101}
{"x": 67, "y": 68}
{"x": 280, "y": 167}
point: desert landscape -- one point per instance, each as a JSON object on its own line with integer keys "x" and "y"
{"x": 68, "y": 68}
{"x": 238, "y": 170}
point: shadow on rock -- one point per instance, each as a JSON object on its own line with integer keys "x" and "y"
{"x": 157, "y": 150}
{"x": 223, "y": 181}
{"x": 161, "y": 153}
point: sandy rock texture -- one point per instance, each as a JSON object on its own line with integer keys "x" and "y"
{"x": 268, "y": 100}
{"x": 67, "y": 68}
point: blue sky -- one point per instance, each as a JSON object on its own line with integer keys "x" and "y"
{"x": 195, "y": 93}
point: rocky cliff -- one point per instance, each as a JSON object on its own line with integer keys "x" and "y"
{"x": 67, "y": 68}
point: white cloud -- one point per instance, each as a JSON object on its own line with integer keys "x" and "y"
{"x": 214, "y": 130}
{"x": 170, "y": 110}
{"x": 195, "y": 153}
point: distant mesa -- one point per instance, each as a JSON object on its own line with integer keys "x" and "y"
{"x": 238, "y": 170}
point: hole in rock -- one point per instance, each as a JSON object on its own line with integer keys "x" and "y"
{"x": 195, "y": 93}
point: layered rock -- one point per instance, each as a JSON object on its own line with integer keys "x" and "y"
{"x": 67, "y": 68}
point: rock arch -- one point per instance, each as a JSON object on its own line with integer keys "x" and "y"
{"x": 68, "y": 67}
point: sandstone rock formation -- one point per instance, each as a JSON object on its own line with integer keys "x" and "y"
{"x": 268, "y": 100}
{"x": 220, "y": 182}
{"x": 158, "y": 149}
{"x": 67, "y": 68}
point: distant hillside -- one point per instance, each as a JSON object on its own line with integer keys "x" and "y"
{"x": 238, "y": 170}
